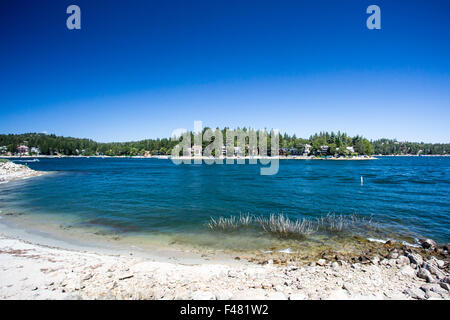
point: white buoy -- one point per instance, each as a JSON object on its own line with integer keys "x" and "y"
{"x": 362, "y": 180}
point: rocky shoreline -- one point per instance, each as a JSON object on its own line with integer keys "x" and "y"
{"x": 33, "y": 271}
{"x": 10, "y": 171}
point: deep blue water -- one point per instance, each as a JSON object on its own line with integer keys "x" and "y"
{"x": 408, "y": 196}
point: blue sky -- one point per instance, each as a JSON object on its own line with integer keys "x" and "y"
{"x": 140, "y": 69}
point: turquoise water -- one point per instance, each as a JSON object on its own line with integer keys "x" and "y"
{"x": 405, "y": 197}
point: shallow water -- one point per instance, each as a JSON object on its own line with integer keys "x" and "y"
{"x": 155, "y": 200}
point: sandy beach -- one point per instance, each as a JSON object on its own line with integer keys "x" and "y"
{"x": 29, "y": 270}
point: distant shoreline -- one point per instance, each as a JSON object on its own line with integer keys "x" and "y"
{"x": 195, "y": 158}
{"x": 373, "y": 157}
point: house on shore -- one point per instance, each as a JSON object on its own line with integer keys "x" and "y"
{"x": 307, "y": 149}
{"x": 22, "y": 150}
{"x": 35, "y": 150}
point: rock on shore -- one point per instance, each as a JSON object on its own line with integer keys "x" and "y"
{"x": 31, "y": 271}
{"x": 11, "y": 171}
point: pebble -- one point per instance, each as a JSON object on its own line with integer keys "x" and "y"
{"x": 321, "y": 262}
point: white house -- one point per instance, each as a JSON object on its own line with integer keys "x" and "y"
{"x": 351, "y": 149}
{"x": 307, "y": 149}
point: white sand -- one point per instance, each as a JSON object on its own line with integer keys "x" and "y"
{"x": 33, "y": 271}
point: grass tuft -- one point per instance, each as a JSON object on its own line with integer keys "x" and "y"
{"x": 282, "y": 226}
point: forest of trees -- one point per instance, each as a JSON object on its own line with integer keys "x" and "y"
{"x": 337, "y": 144}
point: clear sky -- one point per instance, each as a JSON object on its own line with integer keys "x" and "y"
{"x": 140, "y": 69}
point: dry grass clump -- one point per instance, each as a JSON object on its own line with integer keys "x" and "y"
{"x": 284, "y": 227}
{"x": 335, "y": 223}
{"x": 230, "y": 223}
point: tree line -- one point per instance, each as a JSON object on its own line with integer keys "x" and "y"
{"x": 337, "y": 143}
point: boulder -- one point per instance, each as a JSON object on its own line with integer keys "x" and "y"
{"x": 445, "y": 285}
{"x": 402, "y": 260}
{"x": 392, "y": 255}
{"x": 415, "y": 258}
{"x": 425, "y": 274}
{"x": 415, "y": 293}
{"x": 432, "y": 287}
{"x": 436, "y": 262}
{"x": 434, "y": 270}
{"x": 428, "y": 243}
{"x": 407, "y": 271}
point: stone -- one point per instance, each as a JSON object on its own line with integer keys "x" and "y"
{"x": 438, "y": 263}
{"x": 434, "y": 287}
{"x": 392, "y": 255}
{"x": 292, "y": 267}
{"x": 415, "y": 259}
{"x": 321, "y": 262}
{"x": 335, "y": 266}
{"x": 407, "y": 271}
{"x": 389, "y": 243}
{"x": 434, "y": 270}
{"x": 445, "y": 285}
{"x": 392, "y": 262}
{"x": 431, "y": 295}
{"x": 402, "y": 260}
{"x": 416, "y": 293}
{"x": 88, "y": 276}
{"x": 363, "y": 259}
{"x": 349, "y": 288}
{"x": 384, "y": 262}
{"x": 375, "y": 260}
{"x": 428, "y": 243}
{"x": 425, "y": 274}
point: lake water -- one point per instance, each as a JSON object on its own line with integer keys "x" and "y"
{"x": 402, "y": 198}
